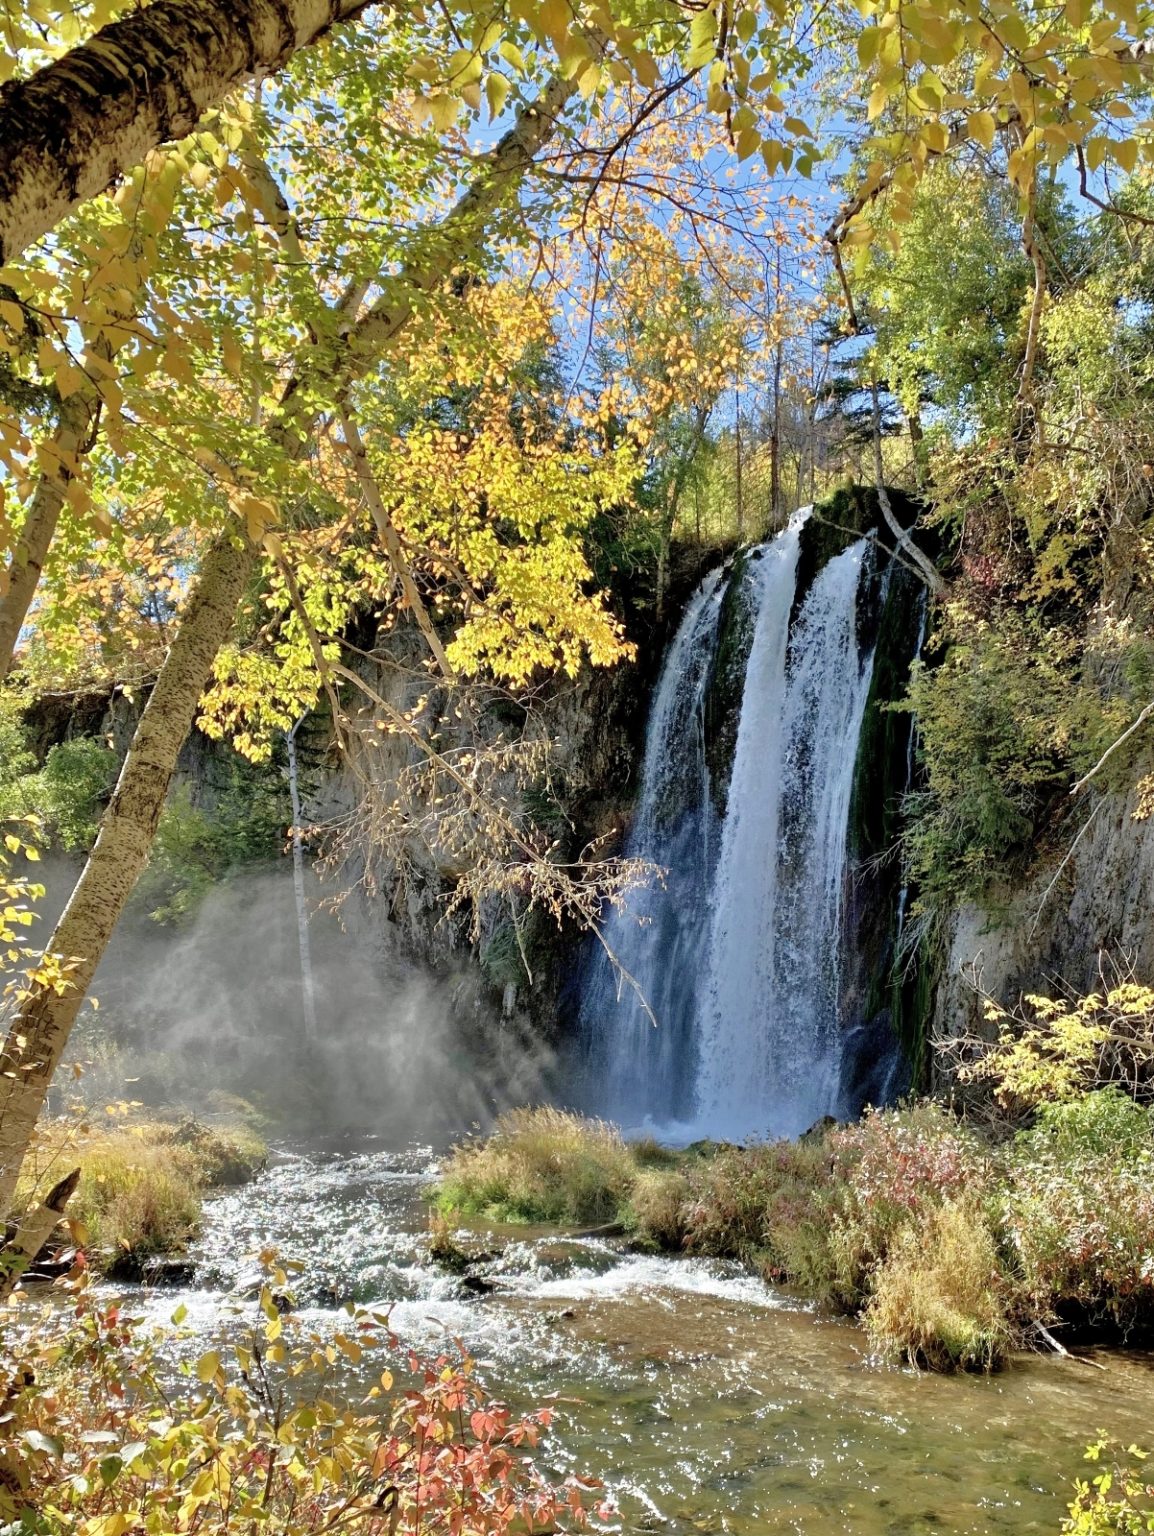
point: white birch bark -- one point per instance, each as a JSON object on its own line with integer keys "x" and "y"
{"x": 71, "y": 130}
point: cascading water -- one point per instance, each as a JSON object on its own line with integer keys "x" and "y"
{"x": 739, "y": 956}
{"x": 643, "y": 1071}
{"x": 769, "y": 1048}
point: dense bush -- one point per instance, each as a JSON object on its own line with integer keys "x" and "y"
{"x": 67, "y": 794}
{"x": 937, "y": 1299}
{"x": 1078, "y": 1214}
{"x": 889, "y": 1172}
{"x": 994, "y": 726}
{"x": 1051, "y": 1050}
{"x": 659, "y": 1206}
{"x": 541, "y": 1165}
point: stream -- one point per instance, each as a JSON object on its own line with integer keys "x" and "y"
{"x": 706, "y": 1400}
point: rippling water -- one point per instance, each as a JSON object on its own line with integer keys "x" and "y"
{"x": 708, "y": 1401}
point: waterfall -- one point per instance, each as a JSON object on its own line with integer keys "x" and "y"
{"x": 740, "y": 954}
{"x": 642, "y": 1071}
{"x": 769, "y": 1024}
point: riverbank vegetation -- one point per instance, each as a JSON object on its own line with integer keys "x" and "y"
{"x": 142, "y": 1183}
{"x": 953, "y": 1245}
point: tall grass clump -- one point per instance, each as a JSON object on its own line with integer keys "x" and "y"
{"x": 937, "y": 1299}
{"x": 141, "y": 1183}
{"x": 659, "y": 1207}
{"x": 543, "y": 1165}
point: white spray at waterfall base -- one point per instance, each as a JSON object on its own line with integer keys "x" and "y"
{"x": 193, "y": 1015}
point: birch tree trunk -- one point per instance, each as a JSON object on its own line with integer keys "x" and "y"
{"x": 77, "y": 417}
{"x": 308, "y": 992}
{"x": 72, "y": 129}
{"x": 40, "y": 1030}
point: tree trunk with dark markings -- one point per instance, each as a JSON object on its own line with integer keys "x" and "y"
{"x": 71, "y": 130}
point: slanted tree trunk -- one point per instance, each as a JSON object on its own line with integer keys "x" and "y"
{"x": 33, "y": 1232}
{"x": 775, "y": 441}
{"x": 73, "y": 128}
{"x": 304, "y": 947}
{"x": 41, "y": 1027}
{"x": 77, "y": 417}
{"x": 918, "y": 447}
{"x": 74, "y": 437}
{"x": 917, "y": 558}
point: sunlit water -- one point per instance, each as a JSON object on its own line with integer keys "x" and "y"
{"x": 707, "y": 1401}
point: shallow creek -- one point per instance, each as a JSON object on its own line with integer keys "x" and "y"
{"x": 706, "y": 1400}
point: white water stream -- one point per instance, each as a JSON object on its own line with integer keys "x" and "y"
{"x": 740, "y": 955}
{"x": 710, "y": 1403}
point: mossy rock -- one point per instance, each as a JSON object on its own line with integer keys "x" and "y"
{"x": 736, "y": 623}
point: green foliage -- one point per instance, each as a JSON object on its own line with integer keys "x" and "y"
{"x": 1118, "y": 1500}
{"x": 1107, "y": 1123}
{"x": 540, "y": 1165}
{"x": 995, "y": 721}
{"x": 242, "y": 820}
{"x": 196, "y": 846}
{"x": 67, "y": 794}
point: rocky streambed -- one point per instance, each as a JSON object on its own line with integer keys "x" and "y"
{"x": 706, "y": 1400}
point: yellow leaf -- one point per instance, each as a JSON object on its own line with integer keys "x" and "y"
{"x": 982, "y": 127}
{"x": 748, "y": 142}
{"x": 878, "y": 98}
{"x": 443, "y": 111}
{"x": 1125, "y": 151}
{"x": 497, "y": 91}
{"x": 867, "y": 46}
{"x": 207, "y": 1366}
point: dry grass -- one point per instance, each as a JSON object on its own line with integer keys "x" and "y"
{"x": 541, "y": 1165}
{"x": 937, "y": 1296}
{"x": 659, "y": 1207}
{"x": 141, "y": 1182}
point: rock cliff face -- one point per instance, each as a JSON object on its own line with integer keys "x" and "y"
{"x": 1088, "y": 907}
{"x": 502, "y": 979}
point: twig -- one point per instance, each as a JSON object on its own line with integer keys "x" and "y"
{"x": 1113, "y": 747}
{"x": 1083, "y": 829}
